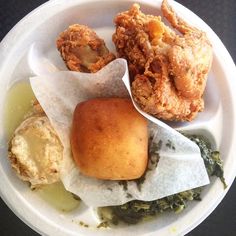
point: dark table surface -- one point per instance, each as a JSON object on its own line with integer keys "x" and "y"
{"x": 221, "y": 16}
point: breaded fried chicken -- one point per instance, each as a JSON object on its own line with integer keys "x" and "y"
{"x": 168, "y": 70}
{"x": 82, "y": 49}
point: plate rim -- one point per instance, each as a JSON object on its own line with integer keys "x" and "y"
{"x": 221, "y": 56}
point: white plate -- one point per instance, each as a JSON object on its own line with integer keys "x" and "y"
{"x": 217, "y": 121}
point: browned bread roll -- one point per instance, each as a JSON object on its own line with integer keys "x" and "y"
{"x": 109, "y": 139}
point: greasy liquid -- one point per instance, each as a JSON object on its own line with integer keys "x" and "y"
{"x": 56, "y": 195}
{"x": 19, "y": 101}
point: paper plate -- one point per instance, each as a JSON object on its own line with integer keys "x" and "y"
{"x": 42, "y": 27}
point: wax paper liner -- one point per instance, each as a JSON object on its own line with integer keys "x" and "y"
{"x": 180, "y": 165}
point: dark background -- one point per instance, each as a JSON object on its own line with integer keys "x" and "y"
{"x": 221, "y": 16}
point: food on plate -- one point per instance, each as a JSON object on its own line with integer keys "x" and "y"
{"x": 58, "y": 197}
{"x": 35, "y": 151}
{"x": 109, "y": 139}
{"x": 82, "y": 49}
{"x": 134, "y": 211}
{"x": 212, "y": 159}
{"x": 17, "y": 107}
{"x": 37, "y": 108}
{"x": 169, "y": 70}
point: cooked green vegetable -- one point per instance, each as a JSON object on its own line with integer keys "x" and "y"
{"x": 212, "y": 160}
{"x": 134, "y": 211}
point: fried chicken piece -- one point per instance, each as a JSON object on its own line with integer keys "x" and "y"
{"x": 168, "y": 70}
{"x": 82, "y": 50}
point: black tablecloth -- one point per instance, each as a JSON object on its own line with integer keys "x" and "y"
{"x": 221, "y": 16}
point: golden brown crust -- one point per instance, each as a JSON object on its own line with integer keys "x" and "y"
{"x": 168, "y": 70}
{"x": 109, "y": 139}
{"x": 82, "y": 49}
{"x": 37, "y": 108}
{"x": 35, "y": 151}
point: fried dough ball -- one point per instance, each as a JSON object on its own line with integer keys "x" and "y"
{"x": 82, "y": 50}
{"x": 109, "y": 139}
{"x": 168, "y": 69}
{"x": 35, "y": 151}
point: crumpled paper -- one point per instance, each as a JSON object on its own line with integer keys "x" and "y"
{"x": 180, "y": 166}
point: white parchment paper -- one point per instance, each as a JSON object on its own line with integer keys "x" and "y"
{"x": 180, "y": 166}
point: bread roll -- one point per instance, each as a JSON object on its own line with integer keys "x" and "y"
{"x": 109, "y": 139}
